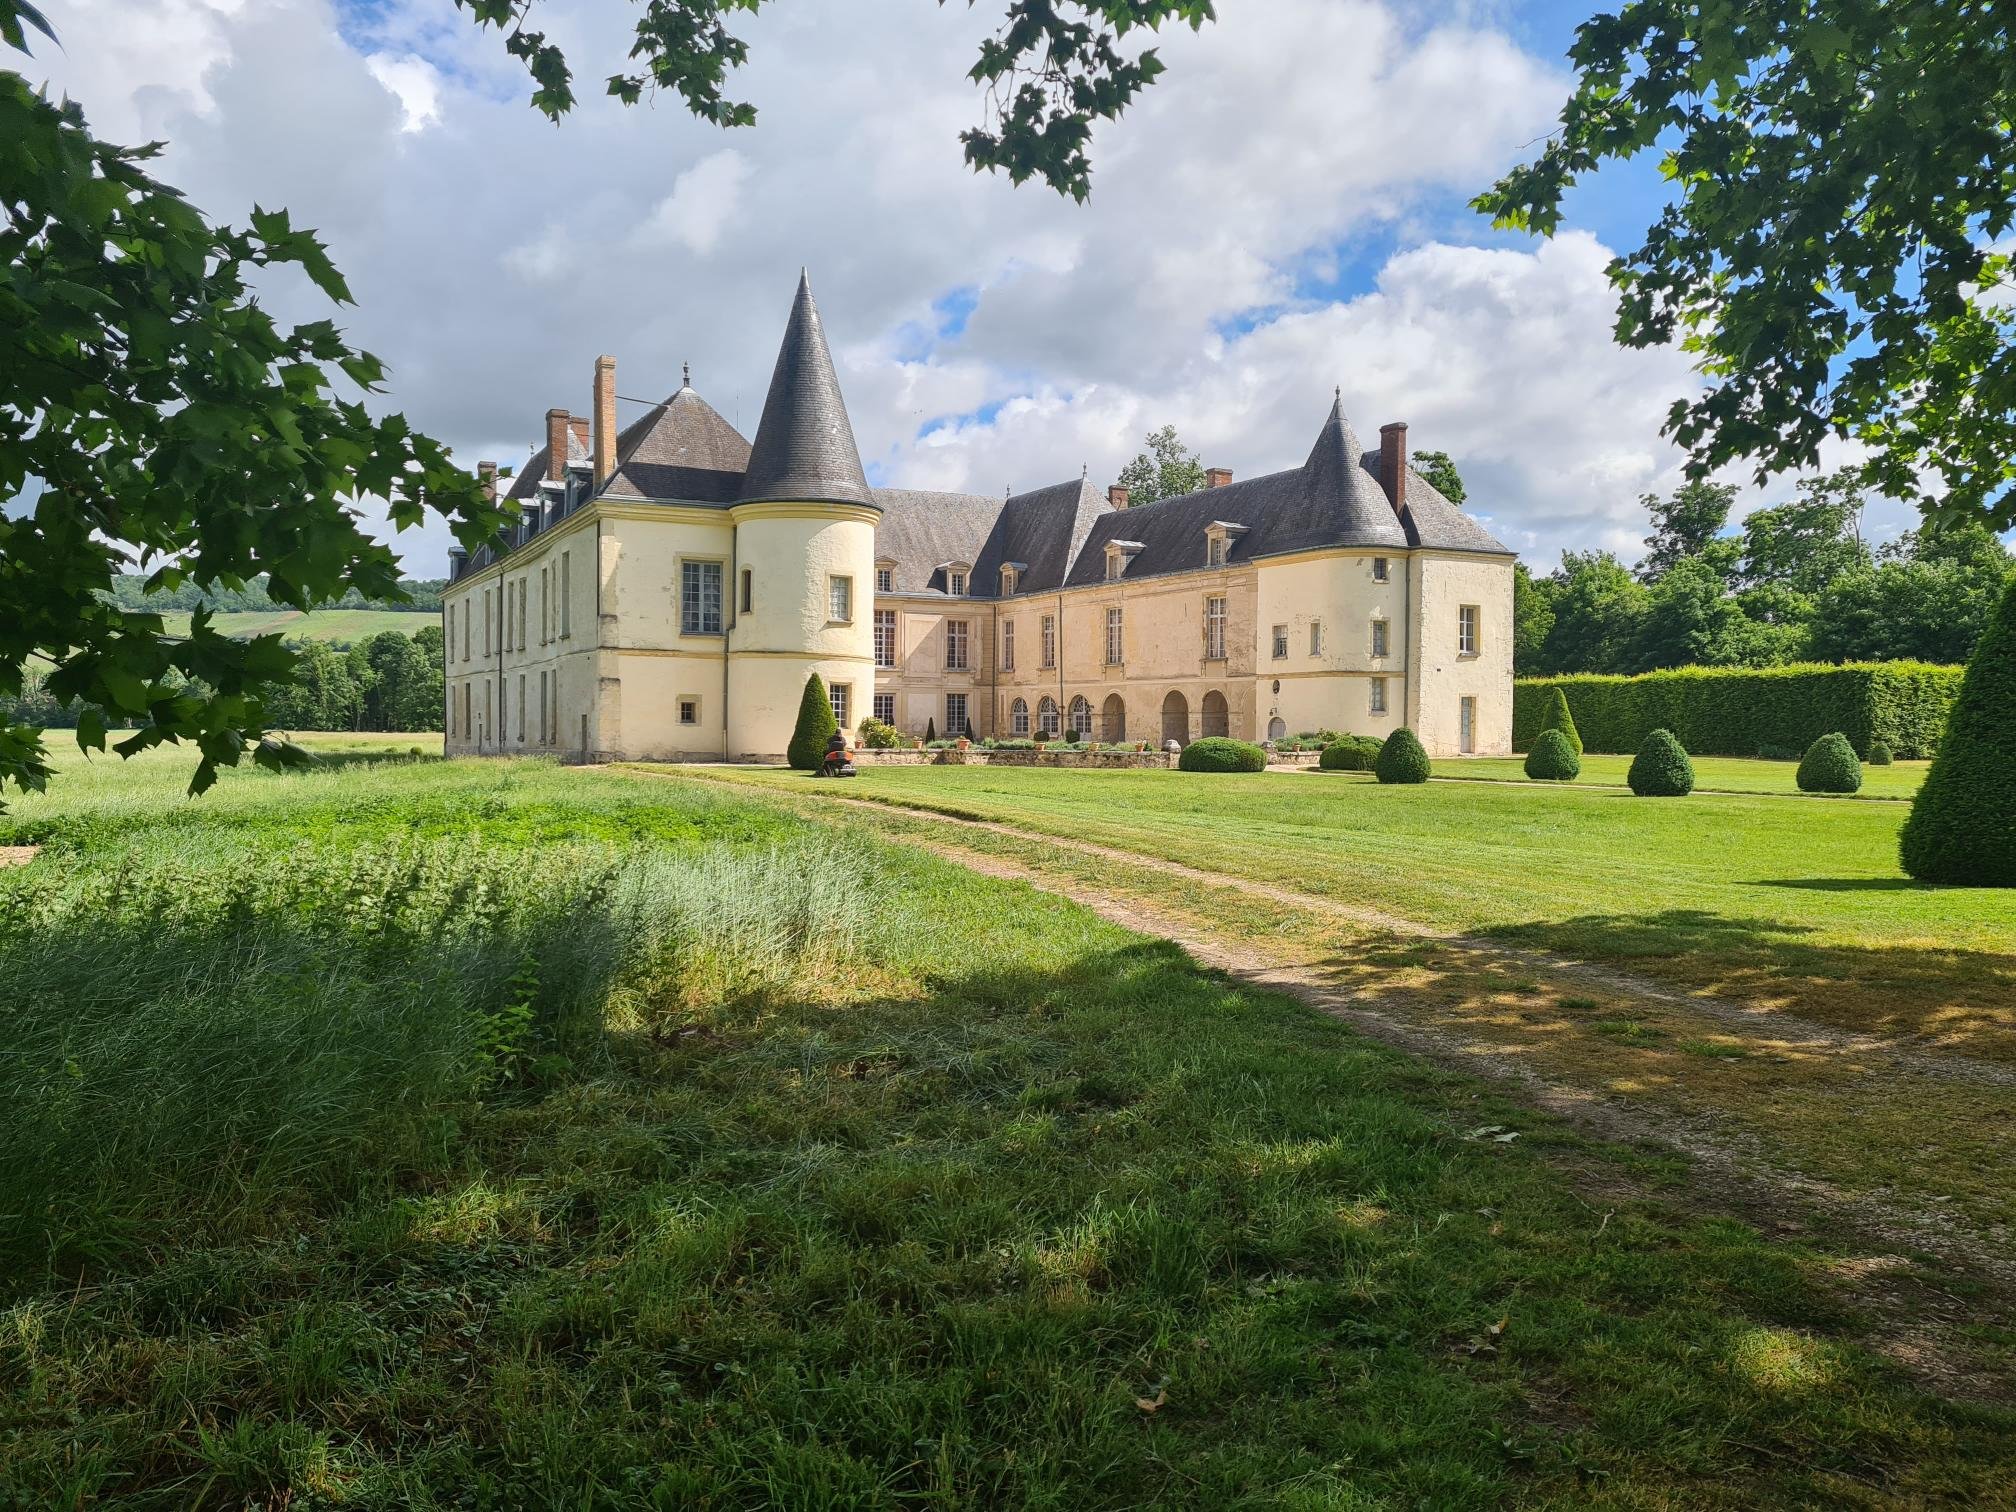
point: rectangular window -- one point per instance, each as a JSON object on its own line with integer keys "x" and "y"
{"x": 699, "y": 598}
{"x": 545, "y": 710}
{"x": 1316, "y": 637}
{"x": 484, "y": 733}
{"x": 1466, "y": 630}
{"x": 689, "y": 711}
{"x": 486, "y": 621}
{"x": 521, "y": 708}
{"x": 840, "y": 695}
{"x": 955, "y": 715}
{"x": 1049, "y": 640}
{"x": 1008, "y": 645}
{"x": 885, "y": 708}
{"x": 1007, "y": 581}
{"x": 545, "y": 612}
{"x": 885, "y": 637}
{"x": 1114, "y": 563}
{"x": 840, "y": 599}
{"x": 1378, "y": 637}
{"x": 1378, "y": 695}
{"x": 465, "y": 629}
{"x": 1280, "y": 642}
{"x": 1214, "y": 629}
{"x": 465, "y": 711}
{"x": 955, "y": 645}
{"x": 955, "y": 584}
{"x": 748, "y": 590}
{"x": 1115, "y": 637}
{"x": 1379, "y": 569}
{"x": 1214, "y": 552}
{"x": 566, "y": 597}
{"x": 524, "y": 612}
{"x": 885, "y": 580}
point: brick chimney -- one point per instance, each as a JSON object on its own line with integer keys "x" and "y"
{"x": 579, "y": 425}
{"x": 1116, "y": 495}
{"x": 1393, "y": 462}
{"x": 556, "y": 445}
{"x": 486, "y": 474}
{"x": 1217, "y": 477}
{"x": 604, "y": 451}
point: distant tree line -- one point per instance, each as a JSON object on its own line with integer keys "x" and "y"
{"x": 128, "y": 592}
{"x": 1794, "y": 583}
{"x": 387, "y": 681}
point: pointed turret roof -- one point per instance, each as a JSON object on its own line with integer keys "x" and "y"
{"x": 804, "y": 447}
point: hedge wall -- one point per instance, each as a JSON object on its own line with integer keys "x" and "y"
{"x": 1738, "y": 711}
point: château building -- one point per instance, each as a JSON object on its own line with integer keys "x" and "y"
{"x": 668, "y": 588}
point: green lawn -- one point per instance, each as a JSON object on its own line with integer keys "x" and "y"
{"x": 1795, "y": 901}
{"x": 341, "y": 625}
{"x": 1712, "y": 774}
{"x": 425, "y": 1134}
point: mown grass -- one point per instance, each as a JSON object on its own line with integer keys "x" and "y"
{"x": 584, "y": 1158}
{"x": 341, "y": 625}
{"x": 1790, "y": 903}
{"x": 1712, "y": 774}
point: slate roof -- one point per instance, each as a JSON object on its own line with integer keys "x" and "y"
{"x": 921, "y": 531}
{"x": 1433, "y": 521}
{"x": 1044, "y": 530}
{"x": 525, "y": 485}
{"x": 804, "y": 446}
{"x": 681, "y": 449}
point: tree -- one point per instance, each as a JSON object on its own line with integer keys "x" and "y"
{"x": 1051, "y": 70}
{"x": 1834, "y": 252}
{"x": 816, "y": 725}
{"x": 172, "y": 424}
{"x": 1690, "y": 619}
{"x": 1561, "y": 720}
{"x": 1532, "y": 619}
{"x": 1808, "y": 543}
{"x": 319, "y": 695}
{"x": 1165, "y": 470}
{"x": 1597, "y": 607}
{"x": 1962, "y": 826}
{"x": 1440, "y": 471}
{"x": 1683, "y": 524}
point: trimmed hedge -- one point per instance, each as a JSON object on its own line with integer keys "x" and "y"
{"x": 1553, "y": 759}
{"x": 1401, "y": 758}
{"x": 816, "y": 726}
{"x": 1215, "y": 753}
{"x": 1351, "y": 753}
{"x": 1963, "y": 822}
{"x": 1738, "y": 711}
{"x": 1880, "y": 753}
{"x": 1829, "y": 766}
{"x": 1560, "y": 717}
{"x": 1661, "y": 769}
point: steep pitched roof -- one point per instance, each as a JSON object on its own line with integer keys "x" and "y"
{"x": 920, "y": 532}
{"x": 526, "y": 484}
{"x": 1431, "y": 520}
{"x": 1044, "y": 530}
{"x": 681, "y": 449}
{"x": 804, "y": 445}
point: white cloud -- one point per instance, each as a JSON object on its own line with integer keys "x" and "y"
{"x": 414, "y": 83}
{"x": 701, "y": 206}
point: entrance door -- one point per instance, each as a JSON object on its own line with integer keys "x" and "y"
{"x": 1468, "y": 741}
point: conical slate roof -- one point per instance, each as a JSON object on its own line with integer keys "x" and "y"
{"x": 804, "y": 447}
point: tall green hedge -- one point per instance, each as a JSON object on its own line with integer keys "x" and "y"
{"x": 1963, "y": 822}
{"x": 1738, "y": 711}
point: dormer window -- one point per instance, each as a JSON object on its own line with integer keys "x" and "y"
{"x": 1218, "y": 538}
{"x": 1118, "y": 555}
{"x": 955, "y": 576}
{"x": 1009, "y": 573}
{"x": 885, "y": 577}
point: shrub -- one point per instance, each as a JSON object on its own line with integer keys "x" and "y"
{"x": 1879, "y": 753}
{"x": 1215, "y": 753}
{"x": 1553, "y": 758}
{"x": 816, "y": 726}
{"x": 1661, "y": 768}
{"x": 1402, "y": 758}
{"x": 1963, "y": 822}
{"x": 1829, "y": 766}
{"x": 877, "y": 736}
{"x": 930, "y": 731}
{"x": 1560, "y": 717}
{"x": 1734, "y": 711}
{"x": 1350, "y": 753}
{"x": 1776, "y": 753}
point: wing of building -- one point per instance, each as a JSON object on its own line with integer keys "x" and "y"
{"x": 669, "y": 587}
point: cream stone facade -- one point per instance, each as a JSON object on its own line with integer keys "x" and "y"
{"x": 669, "y": 588}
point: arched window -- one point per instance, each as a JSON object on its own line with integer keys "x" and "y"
{"x": 1081, "y": 716}
{"x": 1018, "y": 717}
{"x": 1046, "y": 717}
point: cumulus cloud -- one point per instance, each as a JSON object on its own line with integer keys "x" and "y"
{"x": 1282, "y": 213}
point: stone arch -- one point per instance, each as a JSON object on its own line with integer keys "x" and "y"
{"x": 1214, "y": 714}
{"x": 1113, "y": 719}
{"x": 1081, "y": 716}
{"x": 1018, "y": 717}
{"x": 1047, "y": 723}
{"x": 1176, "y": 717}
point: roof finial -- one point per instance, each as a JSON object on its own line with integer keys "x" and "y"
{"x": 685, "y": 375}
{"x": 1084, "y": 471}
{"x": 1340, "y": 393}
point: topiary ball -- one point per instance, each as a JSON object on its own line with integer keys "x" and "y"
{"x": 1661, "y": 768}
{"x": 1829, "y": 766}
{"x": 1215, "y": 753}
{"x": 1401, "y": 758}
{"x": 1350, "y": 753}
{"x": 1553, "y": 759}
{"x": 1880, "y": 753}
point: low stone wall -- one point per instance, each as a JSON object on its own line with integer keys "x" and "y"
{"x": 976, "y": 756}
{"x": 1294, "y": 758}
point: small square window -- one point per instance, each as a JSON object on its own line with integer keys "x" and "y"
{"x": 1466, "y": 630}
{"x": 1379, "y": 569}
{"x": 885, "y": 708}
{"x": 689, "y": 711}
{"x": 1378, "y": 695}
{"x": 955, "y": 584}
{"x": 1280, "y": 642}
{"x": 885, "y": 579}
{"x": 1214, "y": 552}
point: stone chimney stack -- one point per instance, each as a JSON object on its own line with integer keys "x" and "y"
{"x": 1393, "y": 462}
{"x": 556, "y": 445}
{"x": 604, "y": 451}
{"x": 486, "y": 474}
{"x": 1217, "y": 477}
{"x": 1116, "y": 495}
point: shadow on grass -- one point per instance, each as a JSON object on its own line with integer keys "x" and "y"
{"x": 1845, "y": 884}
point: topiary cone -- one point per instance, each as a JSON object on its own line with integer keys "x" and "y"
{"x": 1560, "y": 717}
{"x": 1553, "y": 759}
{"x": 1402, "y": 758}
{"x": 1963, "y": 822}
{"x": 1829, "y": 766}
{"x": 816, "y": 726}
{"x": 1661, "y": 769}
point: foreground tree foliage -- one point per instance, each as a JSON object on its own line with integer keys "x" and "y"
{"x": 1963, "y": 822}
{"x": 1844, "y": 179}
{"x": 1052, "y": 69}
{"x": 162, "y": 412}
